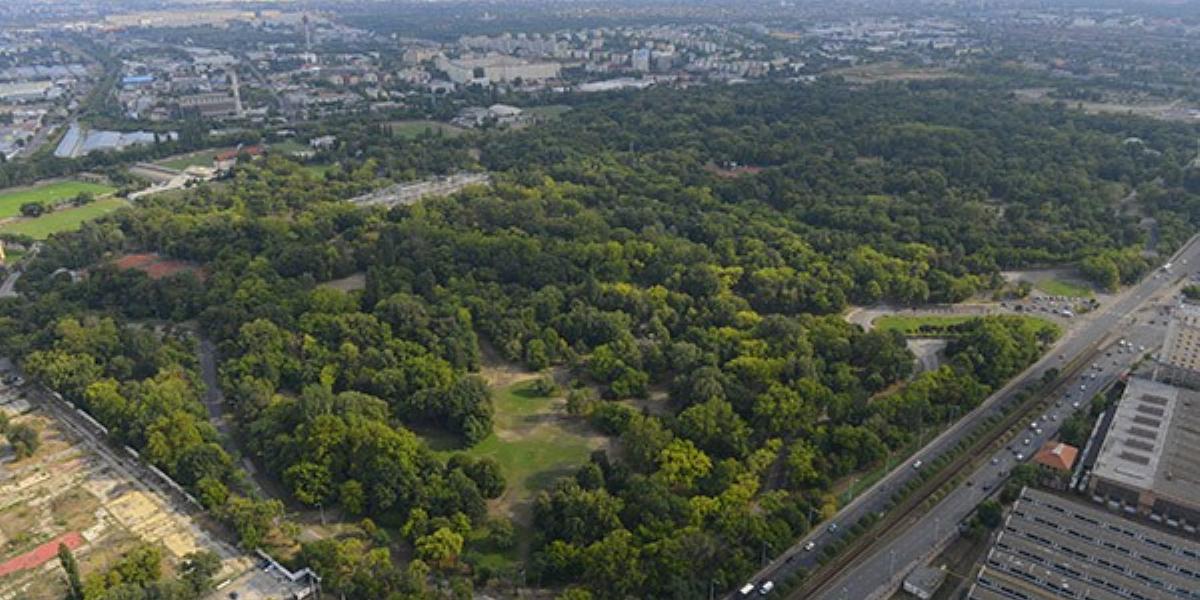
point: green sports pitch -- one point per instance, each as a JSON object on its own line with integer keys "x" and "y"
{"x": 12, "y": 199}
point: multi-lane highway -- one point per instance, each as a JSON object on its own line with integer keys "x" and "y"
{"x": 878, "y": 572}
{"x": 1128, "y": 315}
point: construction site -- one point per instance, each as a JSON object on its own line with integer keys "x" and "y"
{"x": 76, "y": 490}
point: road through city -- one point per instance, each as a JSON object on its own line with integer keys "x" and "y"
{"x": 1132, "y": 317}
{"x": 1082, "y": 342}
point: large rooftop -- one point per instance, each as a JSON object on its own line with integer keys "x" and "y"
{"x": 1053, "y": 547}
{"x": 1181, "y": 348}
{"x": 1154, "y": 441}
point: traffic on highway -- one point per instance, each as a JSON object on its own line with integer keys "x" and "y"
{"x": 1108, "y": 341}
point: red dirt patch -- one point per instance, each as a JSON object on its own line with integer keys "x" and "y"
{"x": 135, "y": 261}
{"x": 38, "y": 556}
{"x": 157, "y": 267}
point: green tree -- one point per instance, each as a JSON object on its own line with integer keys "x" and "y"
{"x": 33, "y": 209}
{"x": 681, "y": 465}
{"x": 990, "y": 513}
{"x": 440, "y": 548}
{"x": 198, "y": 569}
{"x": 70, "y": 568}
{"x": 24, "y": 440}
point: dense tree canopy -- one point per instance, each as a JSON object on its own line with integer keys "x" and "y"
{"x": 615, "y": 246}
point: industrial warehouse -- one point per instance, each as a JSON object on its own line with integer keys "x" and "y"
{"x": 1053, "y": 547}
{"x": 1148, "y": 464}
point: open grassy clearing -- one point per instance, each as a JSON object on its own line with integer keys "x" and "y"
{"x": 62, "y": 220}
{"x": 533, "y": 441}
{"x": 535, "y": 444}
{"x": 318, "y": 171}
{"x": 892, "y": 71}
{"x": 50, "y": 193}
{"x": 202, "y": 158}
{"x": 916, "y": 324}
{"x": 548, "y": 112}
{"x": 288, "y": 147}
{"x": 1058, "y": 287}
{"x": 416, "y": 128}
{"x": 937, "y": 325}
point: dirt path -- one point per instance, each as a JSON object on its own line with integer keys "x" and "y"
{"x": 497, "y": 372}
{"x": 264, "y": 485}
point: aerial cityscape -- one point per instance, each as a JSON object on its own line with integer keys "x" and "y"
{"x": 599, "y": 299}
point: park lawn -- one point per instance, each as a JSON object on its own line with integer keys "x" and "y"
{"x": 415, "y": 128}
{"x": 912, "y": 325}
{"x": 202, "y": 158}
{"x": 1058, "y": 287}
{"x": 548, "y": 112}
{"x": 318, "y": 171}
{"x": 939, "y": 326}
{"x": 50, "y": 193}
{"x": 288, "y": 147}
{"x": 535, "y": 445}
{"x": 530, "y": 441}
{"x": 62, "y": 220}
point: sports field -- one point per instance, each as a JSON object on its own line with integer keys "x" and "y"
{"x": 62, "y": 220}
{"x": 202, "y": 158}
{"x": 50, "y": 193}
{"x": 413, "y": 129}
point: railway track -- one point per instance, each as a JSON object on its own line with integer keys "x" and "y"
{"x": 912, "y": 506}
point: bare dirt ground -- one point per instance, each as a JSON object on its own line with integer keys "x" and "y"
{"x": 354, "y": 282}
{"x": 68, "y": 487}
{"x": 928, "y": 353}
{"x": 497, "y": 372}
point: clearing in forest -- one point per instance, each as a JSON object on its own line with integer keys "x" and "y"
{"x": 417, "y": 128}
{"x": 199, "y": 158}
{"x": 535, "y": 442}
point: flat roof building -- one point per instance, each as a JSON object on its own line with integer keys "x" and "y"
{"x": 496, "y": 69}
{"x": 1052, "y": 547}
{"x": 923, "y": 582}
{"x": 1179, "y": 362}
{"x": 209, "y": 105}
{"x": 1149, "y": 463}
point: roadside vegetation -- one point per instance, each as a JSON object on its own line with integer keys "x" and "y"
{"x": 950, "y": 326}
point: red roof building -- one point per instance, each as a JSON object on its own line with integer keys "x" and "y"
{"x": 1057, "y": 456}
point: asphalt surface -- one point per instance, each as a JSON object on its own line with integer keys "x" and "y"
{"x": 1134, "y": 317}
{"x": 1128, "y": 313}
